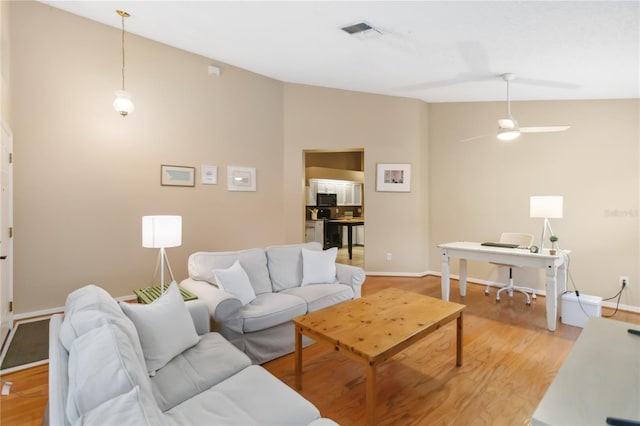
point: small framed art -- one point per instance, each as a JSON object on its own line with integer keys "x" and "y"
{"x": 209, "y": 175}
{"x": 177, "y": 176}
{"x": 394, "y": 177}
{"x": 241, "y": 178}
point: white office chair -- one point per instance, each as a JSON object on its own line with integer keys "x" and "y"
{"x": 523, "y": 241}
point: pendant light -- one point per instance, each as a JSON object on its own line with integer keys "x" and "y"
{"x": 123, "y": 103}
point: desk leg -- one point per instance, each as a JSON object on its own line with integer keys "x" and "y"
{"x": 350, "y": 240}
{"x": 298, "y": 358}
{"x": 371, "y": 394}
{"x": 551, "y": 285}
{"x": 463, "y": 277}
{"x": 459, "y": 341}
{"x": 445, "y": 282}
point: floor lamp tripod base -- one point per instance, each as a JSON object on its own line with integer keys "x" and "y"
{"x": 162, "y": 261}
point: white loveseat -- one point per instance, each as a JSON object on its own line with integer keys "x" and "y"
{"x": 286, "y": 281}
{"x": 100, "y": 360}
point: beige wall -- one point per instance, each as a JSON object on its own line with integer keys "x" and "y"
{"x": 390, "y": 130}
{"x": 84, "y": 176}
{"x": 482, "y": 188}
{"x": 5, "y": 110}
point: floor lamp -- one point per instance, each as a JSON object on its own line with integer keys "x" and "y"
{"x": 548, "y": 207}
{"x": 162, "y": 232}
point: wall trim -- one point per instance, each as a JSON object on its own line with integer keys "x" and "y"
{"x": 470, "y": 280}
{"x": 59, "y": 310}
{"x": 478, "y": 281}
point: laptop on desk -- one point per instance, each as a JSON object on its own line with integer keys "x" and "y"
{"x": 503, "y": 245}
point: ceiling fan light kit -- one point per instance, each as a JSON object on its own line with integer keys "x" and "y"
{"x": 508, "y": 134}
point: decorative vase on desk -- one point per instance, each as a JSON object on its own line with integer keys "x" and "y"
{"x": 554, "y": 245}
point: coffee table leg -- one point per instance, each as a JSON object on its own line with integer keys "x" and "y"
{"x": 298, "y": 358}
{"x": 459, "y": 341}
{"x": 371, "y": 394}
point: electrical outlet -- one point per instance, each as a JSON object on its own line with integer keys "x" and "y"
{"x": 623, "y": 281}
{"x": 389, "y": 256}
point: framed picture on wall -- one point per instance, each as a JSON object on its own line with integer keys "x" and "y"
{"x": 209, "y": 175}
{"x": 241, "y": 178}
{"x": 393, "y": 177}
{"x": 177, "y": 176}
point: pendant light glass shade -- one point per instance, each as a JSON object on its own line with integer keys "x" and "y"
{"x": 123, "y": 103}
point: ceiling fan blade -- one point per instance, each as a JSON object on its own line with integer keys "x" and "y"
{"x": 543, "y": 129}
{"x": 473, "y": 138}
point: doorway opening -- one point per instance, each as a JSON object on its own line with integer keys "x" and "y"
{"x": 335, "y": 202}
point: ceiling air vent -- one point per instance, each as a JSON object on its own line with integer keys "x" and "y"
{"x": 361, "y": 30}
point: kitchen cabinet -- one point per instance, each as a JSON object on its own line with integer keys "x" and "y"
{"x": 314, "y": 231}
{"x": 348, "y": 193}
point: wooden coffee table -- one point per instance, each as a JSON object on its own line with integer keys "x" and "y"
{"x": 374, "y": 328}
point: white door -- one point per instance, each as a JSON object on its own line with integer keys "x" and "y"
{"x": 6, "y": 224}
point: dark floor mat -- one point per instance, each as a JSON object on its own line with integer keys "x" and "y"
{"x": 30, "y": 343}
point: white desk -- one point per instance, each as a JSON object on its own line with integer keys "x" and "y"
{"x": 554, "y": 266}
{"x": 600, "y": 378}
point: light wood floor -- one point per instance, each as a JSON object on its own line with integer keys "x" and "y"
{"x": 510, "y": 359}
{"x": 357, "y": 256}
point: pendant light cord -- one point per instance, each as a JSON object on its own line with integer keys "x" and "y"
{"x": 123, "y": 16}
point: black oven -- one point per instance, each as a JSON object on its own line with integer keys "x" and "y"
{"x": 326, "y": 200}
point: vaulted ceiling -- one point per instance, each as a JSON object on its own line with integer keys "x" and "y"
{"x": 437, "y": 51}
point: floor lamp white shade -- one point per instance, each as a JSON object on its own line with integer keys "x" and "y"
{"x": 547, "y": 207}
{"x": 162, "y": 232}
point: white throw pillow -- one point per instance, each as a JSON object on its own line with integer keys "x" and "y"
{"x": 319, "y": 267}
{"x": 165, "y": 327}
{"x": 235, "y": 280}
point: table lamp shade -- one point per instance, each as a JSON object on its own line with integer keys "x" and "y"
{"x": 161, "y": 231}
{"x": 548, "y": 206}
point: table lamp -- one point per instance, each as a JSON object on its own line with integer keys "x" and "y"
{"x": 162, "y": 232}
{"x": 548, "y": 207}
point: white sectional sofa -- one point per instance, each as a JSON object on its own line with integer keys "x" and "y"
{"x": 284, "y": 282}
{"x": 107, "y": 366}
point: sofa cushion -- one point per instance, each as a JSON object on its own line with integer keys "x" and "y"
{"x": 320, "y": 296}
{"x": 165, "y": 327}
{"x": 102, "y": 365}
{"x": 251, "y": 397}
{"x": 78, "y": 323}
{"x": 319, "y": 267}
{"x": 234, "y": 280}
{"x": 254, "y": 262}
{"x": 271, "y": 309}
{"x": 103, "y": 308}
{"x": 208, "y": 363}
{"x": 285, "y": 264}
{"x": 129, "y": 409}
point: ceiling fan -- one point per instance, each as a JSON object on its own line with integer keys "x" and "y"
{"x": 508, "y": 128}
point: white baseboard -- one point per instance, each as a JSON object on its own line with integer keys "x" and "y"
{"x": 477, "y": 281}
{"x": 398, "y": 274}
{"x": 58, "y": 310}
